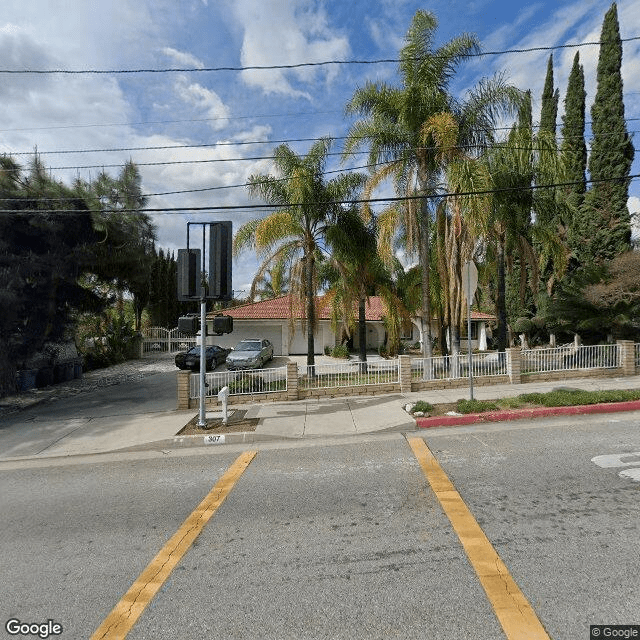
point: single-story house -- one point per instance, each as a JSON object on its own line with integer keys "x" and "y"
{"x": 270, "y": 320}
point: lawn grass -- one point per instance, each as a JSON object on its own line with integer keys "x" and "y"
{"x": 559, "y": 398}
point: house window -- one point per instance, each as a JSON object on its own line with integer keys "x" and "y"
{"x": 474, "y": 330}
{"x": 406, "y": 333}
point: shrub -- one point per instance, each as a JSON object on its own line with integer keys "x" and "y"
{"x": 340, "y": 351}
{"x": 475, "y": 406}
{"x": 523, "y": 325}
{"x": 423, "y": 406}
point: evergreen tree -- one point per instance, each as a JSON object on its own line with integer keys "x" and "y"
{"x": 552, "y": 212}
{"x": 606, "y": 221}
{"x": 550, "y": 99}
{"x": 574, "y": 149}
{"x": 46, "y": 241}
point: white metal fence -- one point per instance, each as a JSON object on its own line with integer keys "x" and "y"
{"x": 352, "y": 373}
{"x": 241, "y": 382}
{"x": 159, "y": 339}
{"x": 457, "y": 366}
{"x": 570, "y": 358}
{"x": 637, "y": 354}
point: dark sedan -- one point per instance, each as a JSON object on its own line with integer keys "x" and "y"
{"x": 191, "y": 359}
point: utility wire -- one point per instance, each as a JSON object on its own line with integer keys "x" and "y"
{"x": 297, "y": 65}
{"x": 209, "y": 145}
{"x": 391, "y": 199}
{"x": 132, "y": 124}
{"x": 467, "y": 147}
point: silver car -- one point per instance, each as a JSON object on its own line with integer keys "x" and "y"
{"x": 250, "y": 354}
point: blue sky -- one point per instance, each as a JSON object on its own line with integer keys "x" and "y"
{"x": 224, "y": 108}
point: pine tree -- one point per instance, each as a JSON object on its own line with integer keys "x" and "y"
{"x": 606, "y": 219}
{"x": 550, "y": 99}
{"x": 574, "y": 151}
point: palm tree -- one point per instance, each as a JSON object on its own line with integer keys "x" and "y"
{"x": 355, "y": 272}
{"x": 273, "y": 283}
{"x": 295, "y": 233}
{"x": 403, "y": 125}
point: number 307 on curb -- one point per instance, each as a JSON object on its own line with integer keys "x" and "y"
{"x": 217, "y": 439}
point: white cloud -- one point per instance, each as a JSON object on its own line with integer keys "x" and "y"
{"x": 283, "y": 33}
{"x": 385, "y": 38}
{"x": 182, "y": 58}
{"x": 206, "y": 101}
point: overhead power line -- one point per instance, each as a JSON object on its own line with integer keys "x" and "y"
{"x": 212, "y": 145}
{"x": 190, "y": 120}
{"x": 466, "y": 147}
{"x": 292, "y": 66}
{"x": 391, "y": 199}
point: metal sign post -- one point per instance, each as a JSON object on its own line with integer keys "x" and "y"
{"x": 469, "y": 284}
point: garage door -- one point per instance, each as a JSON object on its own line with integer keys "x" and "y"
{"x": 274, "y": 334}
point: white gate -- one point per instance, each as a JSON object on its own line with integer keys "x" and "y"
{"x": 159, "y": 339}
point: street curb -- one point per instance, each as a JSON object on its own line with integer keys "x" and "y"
{"x": 523, "y": 414}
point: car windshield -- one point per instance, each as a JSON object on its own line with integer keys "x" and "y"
{"x": 249, "y": 345}
{"x": 194, "y": 351}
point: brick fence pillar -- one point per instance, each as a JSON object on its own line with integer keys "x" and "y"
{"x": 514, "y": 365}
{"x": 292, "y": 381}
{"x": 183, "y": 389}
{"x": 405, "y": 374}
{"x": 627, "y": 357}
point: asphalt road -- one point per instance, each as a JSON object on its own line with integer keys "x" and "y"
{"x": 339, "y": 538}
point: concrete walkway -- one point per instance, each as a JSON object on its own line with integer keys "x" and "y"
{"x": 304, "y": 419}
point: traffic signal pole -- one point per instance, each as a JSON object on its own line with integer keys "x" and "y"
{"x": 195, "y": 283}
{"x": 202, "y": 418}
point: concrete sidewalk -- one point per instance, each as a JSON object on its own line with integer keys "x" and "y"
{"x": 304, "y": 419}
{"x": 316, "y": 418}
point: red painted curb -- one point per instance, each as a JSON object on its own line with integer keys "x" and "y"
{"x": 521, "y": 414}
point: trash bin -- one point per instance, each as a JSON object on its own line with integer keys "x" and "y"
{"x": 44, "y": 377}
{"x": 27, "y": 379}
{"x": 68, "y": 372}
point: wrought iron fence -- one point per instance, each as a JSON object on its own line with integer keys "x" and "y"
{"x": 352, "y": 373}
{"x": 637, "y": 354}
{"x": 457, "y": 366}
{"x": 159, "y": 339}
{"x": 242, "y": 382}
{"x": 570, "y": 358}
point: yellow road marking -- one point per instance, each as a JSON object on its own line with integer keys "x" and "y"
{"x": 124, "y": 615}
{"x": 518, "y": 619}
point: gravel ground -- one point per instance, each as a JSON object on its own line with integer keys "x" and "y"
{"x": 128, "y": 371}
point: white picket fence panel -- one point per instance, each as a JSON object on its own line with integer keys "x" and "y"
{"x": 570, "y": 358}
{"x": 454, "y": 367}
{"x": 352, "y": 373}
{"x": 241, "y": 382}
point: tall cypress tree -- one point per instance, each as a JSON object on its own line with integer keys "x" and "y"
{"x": 574, "y": 152}
{"x": 550, "y": 98}
{"x": 605, "y": 212}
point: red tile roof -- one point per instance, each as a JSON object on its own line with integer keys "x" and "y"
{"x": 280, "y": 309}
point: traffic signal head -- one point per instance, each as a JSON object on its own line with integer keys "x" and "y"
{"x": 188, "y": 274}
{"x": 188, "y": 324}
{"x": 222, "y": 324}
{"x": 220, "y": 254}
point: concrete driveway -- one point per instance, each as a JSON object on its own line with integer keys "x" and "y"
{"x": 93, "y": 410}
